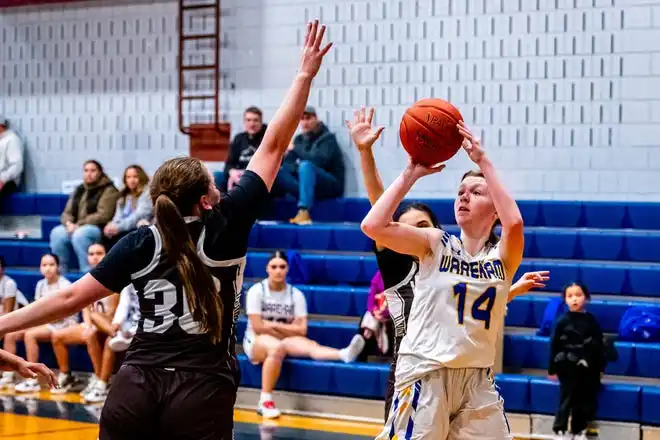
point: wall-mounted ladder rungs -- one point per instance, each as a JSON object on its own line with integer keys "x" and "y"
{"x": 199, "y": 7}
{"x": 199, "y": 37}
{"x": 197, "y": 97}
{"x": 200, "y": 67}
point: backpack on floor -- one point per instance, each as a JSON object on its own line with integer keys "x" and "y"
{"x": 640, "y": 324}
{"x": 555, "y": 308}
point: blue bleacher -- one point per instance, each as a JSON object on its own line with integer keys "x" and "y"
{"x": 572, "y": 214}
{"x": 614, "y": 247}
{"x": 530, "y": 351}
{"x": 623, "y": 278}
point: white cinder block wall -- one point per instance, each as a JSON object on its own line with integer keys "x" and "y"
{"x": 566, "y": 92}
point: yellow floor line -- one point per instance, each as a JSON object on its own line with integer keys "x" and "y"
{"x": 310, "y": 424}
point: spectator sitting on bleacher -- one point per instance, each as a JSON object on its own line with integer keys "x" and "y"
{"x": 376, "y": 327}
{"x": 277, "y": 327}
{"x": 577, "y": 358}
{"x": 134, "y": 207}
{"x": 243, "y": 147}
{"x": 11, "y": 159}
{"x": 10, "y": 297}
{"x": 52, "y": 282}
{"x": 95, "y": 326}
{"x": 313, "y": 168}
{"x": 88, "y": 210}
{"x": 120, "y": 331}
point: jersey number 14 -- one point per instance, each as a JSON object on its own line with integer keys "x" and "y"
{"x": 481, "y": 307}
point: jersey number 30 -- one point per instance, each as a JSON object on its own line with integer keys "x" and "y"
{"x": 164, "y": 310}
{"x": 481, "y": 307}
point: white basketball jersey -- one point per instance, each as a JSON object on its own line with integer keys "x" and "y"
{"x": 283, "y": 306}
{"x": 457, "y": 313}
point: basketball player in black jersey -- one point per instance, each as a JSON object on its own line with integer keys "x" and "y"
{"x": 180, "y": 376}
{"x": 399, "y": 270}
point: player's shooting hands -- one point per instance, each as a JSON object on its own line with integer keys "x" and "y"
{"x": 471, "y": 144}
{"x": 313, "y": 53}
{"x": 417, "y": 170}
{"x": 362, "y": 130}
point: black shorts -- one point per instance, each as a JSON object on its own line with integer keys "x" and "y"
{"x": 389, "y": 392}
{"x": 146, "y": 402}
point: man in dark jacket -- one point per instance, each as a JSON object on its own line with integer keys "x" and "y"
{"x": 89, "y": 208}
{"x": 312, "y": 169}
{"x": 243, "y": 147}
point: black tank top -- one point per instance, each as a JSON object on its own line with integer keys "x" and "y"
{"x": 167, "y": 336}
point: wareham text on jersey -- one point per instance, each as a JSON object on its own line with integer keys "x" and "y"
{"x": 279, "y": 310}
{"x": 482, "y": 269}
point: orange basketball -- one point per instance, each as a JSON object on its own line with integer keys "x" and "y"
{"x": 428, "y": 131}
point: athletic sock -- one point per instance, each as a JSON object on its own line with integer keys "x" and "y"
{"x": 350, "y": 353}
{"x": 265, "y": 397}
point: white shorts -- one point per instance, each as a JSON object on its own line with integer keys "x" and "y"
{"x": 248, "y": 345}
{"x": 64, "y": 323}
{"x": 448, "y": 404}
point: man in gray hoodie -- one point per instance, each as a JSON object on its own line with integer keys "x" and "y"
{"x": 11, "y": 159}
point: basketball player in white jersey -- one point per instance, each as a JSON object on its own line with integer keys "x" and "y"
{"x": 398, "y": 270}
{"x": 444, "y": 388}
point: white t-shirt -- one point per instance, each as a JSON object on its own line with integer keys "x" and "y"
{"x": 127, "y": 314}
{"x": 44, "y": 289}
{"x": 281, "y": 306}
{"x": 9, "y": 289}
{"x": 458, "y": 311}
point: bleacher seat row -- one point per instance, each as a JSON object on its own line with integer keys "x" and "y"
{"x": 574, "y": 214}
{"x": 603, "y": 277}
{"x": 539, "y": 242}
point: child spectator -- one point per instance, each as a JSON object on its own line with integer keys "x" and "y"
{"x": 376, "y": 327}
{"x": 577, "y": 358}
{"x": 10, "y": 297}
{"x": 88, "y": 210}
{"x": 134, "y": 207}
{"x": 89, "y": 332}
{"x": 120, "y": 333}
{"x": 52, "y": 282}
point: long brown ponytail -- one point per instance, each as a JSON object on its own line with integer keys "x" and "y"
{"x": 177, "y": 186}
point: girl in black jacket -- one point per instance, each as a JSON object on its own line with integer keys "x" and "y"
{"x": 577, "y": 358}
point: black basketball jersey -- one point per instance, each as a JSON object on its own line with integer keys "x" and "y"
{"x": 167, "y": 335}
{"x": 398, "y": 272}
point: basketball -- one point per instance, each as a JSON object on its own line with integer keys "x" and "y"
{"x": 428, "y": 131}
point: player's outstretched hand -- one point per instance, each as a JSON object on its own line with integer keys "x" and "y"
{"x": 529, "y": 281}
{"x": 313, "y": 53}
{"x": 32, "y": 370}
{"x": 362, "y": 131}
{"x": 471, "y": 144}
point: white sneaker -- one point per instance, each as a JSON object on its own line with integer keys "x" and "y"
{"x": 268, "y": 410}
{"x": 28, "y": 386}
{"x": 7, "y": 380}
{"x": 90, "y": 386}
{"x": 65, "y": 381}
{"x": 581, "y": 436}
{"x": 97, "y": 394}
{"x": 119, "y": 342}
{"x": 350, "y": 353}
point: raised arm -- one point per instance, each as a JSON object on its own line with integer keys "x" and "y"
{"x": 364, "y": 136}
{"x": 399, "y": 237}
{"x": 512, "y": 239}
{"x": 268, "y": 157}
